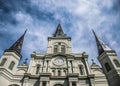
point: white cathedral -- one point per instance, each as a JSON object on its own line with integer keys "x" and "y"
{"x": 59, "y": 66}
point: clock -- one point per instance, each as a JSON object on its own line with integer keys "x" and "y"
{"x": 58, "y": 61}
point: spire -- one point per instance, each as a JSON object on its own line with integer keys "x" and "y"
{"x": 17, "y": 46}
{"x": 101, "y": 46}
{"x": 59, "y": 32}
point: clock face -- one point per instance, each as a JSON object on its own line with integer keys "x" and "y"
{"x": 58, "y": 61}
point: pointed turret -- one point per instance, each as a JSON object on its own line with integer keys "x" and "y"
{"x": 17, "y": 46}
{"x": 59, "y": 32}
{"x": 101, "y": 46}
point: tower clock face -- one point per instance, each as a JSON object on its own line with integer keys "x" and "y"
{"x": 58, "y": 61}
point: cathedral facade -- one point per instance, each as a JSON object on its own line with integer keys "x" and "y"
{"x": 59, "y": 66}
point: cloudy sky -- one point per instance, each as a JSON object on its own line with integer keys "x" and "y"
{"x": 77, "y": 18}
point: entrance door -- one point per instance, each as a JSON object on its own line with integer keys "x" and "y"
{"x": 58, "y": 85}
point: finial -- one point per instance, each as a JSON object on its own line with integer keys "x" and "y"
{"x": 25, "y": 62}
{"x": 26, "y": 59}
{"x": 92, "y": 61}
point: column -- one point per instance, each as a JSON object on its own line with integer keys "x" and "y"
{"x": 70, "y": 83}
{"x": 47, "y": 83}
{"x": 40, "y": 83}
{"x": 92, "y": 82}
{"x": 47, "y": 62}
{"x": 87, "y": 66}
{"x": 69, "y": 67}
{"x": 44, "y": 67}
{"x": 30, "y": 66}
{"x": 59, "y": 48}
{"x": 40, "y": 69}
{"x": 25, "y": 82}
{"x": 55, "y": 72}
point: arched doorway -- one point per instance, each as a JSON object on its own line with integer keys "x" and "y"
{"x": 58, "y": 85}
{"x": 13, "y": 85}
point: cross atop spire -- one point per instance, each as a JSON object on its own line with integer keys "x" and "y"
{"x": 101, "y": 46}
{"x": 17, "y": 46}
{"x": 59, "y": 32}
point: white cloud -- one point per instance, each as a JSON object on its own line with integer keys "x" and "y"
{"x": 82, "y": 15}
{"x": 24, "y": 18}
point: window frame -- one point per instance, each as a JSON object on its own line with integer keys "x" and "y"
{"x": 53, "y": 71}
{"x": 11, "y": 66}
{"x": 3, "y": 62}
{"x": 63, "y": 50}
{"x": 55, "y": 48}
{"x": 81, "y": 69}
{"x": 59, "y": 73}
{"x": 107, "y": 67}
{"x": 116, "y": 62}
{"x": 37, "y": 68}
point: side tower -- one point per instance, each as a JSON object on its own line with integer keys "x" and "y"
{"x": 9, "y": 62}
{"x": 109, "y": 62}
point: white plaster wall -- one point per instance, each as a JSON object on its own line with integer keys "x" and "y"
{"x": 4, "y": 81}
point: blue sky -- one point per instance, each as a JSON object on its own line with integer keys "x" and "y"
{"x": 77, "y": 18}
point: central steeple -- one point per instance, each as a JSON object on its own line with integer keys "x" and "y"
{"x": 59, "y": 32}
{"x": 59, "y": 42}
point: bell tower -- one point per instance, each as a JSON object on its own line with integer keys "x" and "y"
{"x": 9, "y": 61}
{"x": 59, "y": 42}
{"x": 109, "y": 62}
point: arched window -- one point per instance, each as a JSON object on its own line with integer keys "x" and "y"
{"x": 63, "y": 49}
{"x": 81, "y": 70}
{"x": 55, "y": 48}
{"x": 107, "y": 66}
{"x": 59, "y": 73}
{"x": 3, "y": 62}
{"x": 53, "y": 72}
{"x": 12, "y": 64}
{"x": 65, "y": 72}
{"x": 116, "y": 63}
{"x": 71, "y": 65}
{"x": 37, "y": 69}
